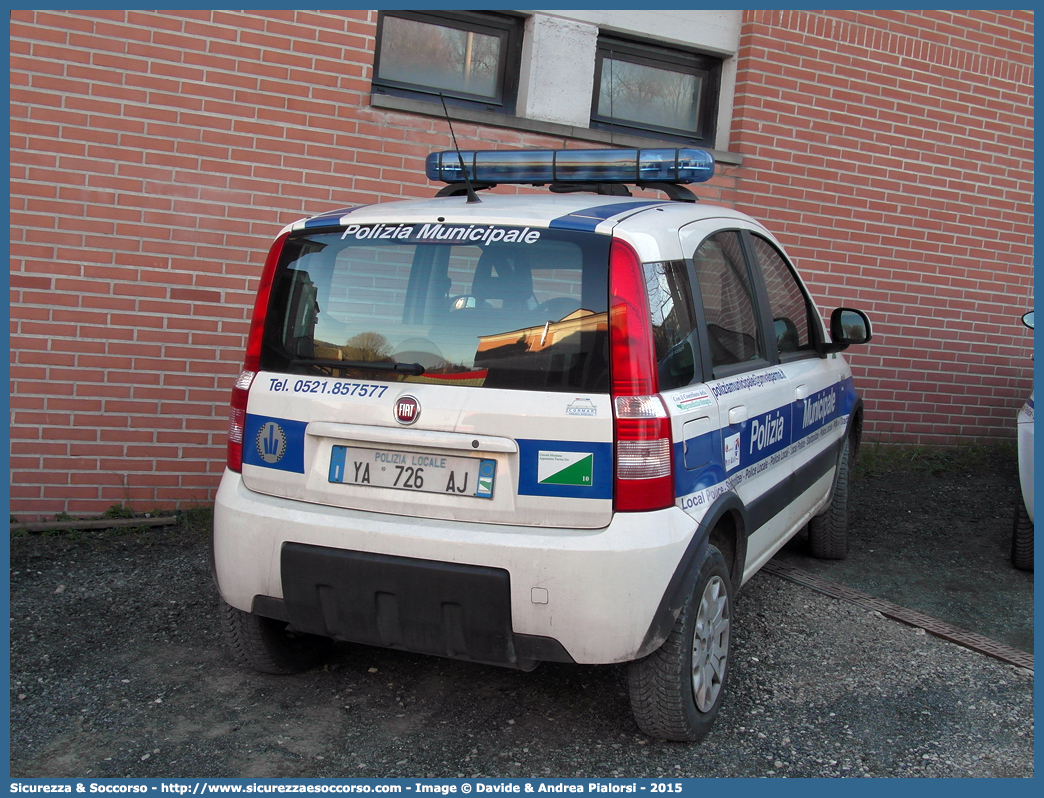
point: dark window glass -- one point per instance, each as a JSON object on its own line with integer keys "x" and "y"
{"x": 733, "y": 332}
{"x": 649, "y": 90}
{"x": 673, "y": 321}
{"x": 529, "y": 314}
{"x": 792, "y": 312}
{"x": 471, "y": 57}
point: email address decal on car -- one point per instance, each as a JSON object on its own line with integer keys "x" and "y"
{"x": 566, "y": 469}
{"x": 747, "y": 381}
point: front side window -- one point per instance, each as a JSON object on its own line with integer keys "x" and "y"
{"x": 733, "y": 331}
{"x": 463, "y": 305}
{"x": 792, "y": 313}
{"x": 471, "y": 57}
{"x": 655, "y": 91}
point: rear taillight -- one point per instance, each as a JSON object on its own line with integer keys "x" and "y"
{"x": 237, "y": 419}
{"x": 644, "y": 467}
{"x": 252, "y": 361}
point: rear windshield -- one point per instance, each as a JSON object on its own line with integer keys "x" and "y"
{"x": 493, "y": 307}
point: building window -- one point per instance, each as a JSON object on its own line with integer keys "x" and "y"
{"x": 471, "y": 57}
{"x": 647, "y": 90}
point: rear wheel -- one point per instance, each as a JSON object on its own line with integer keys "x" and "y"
{"x": 1022, "y": 539}
{"x": 677, "y": 690}
{"x": 267, "y": 645}
{"x": 828, "y": 531}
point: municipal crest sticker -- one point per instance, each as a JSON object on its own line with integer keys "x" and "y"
{"x": 271, "y": 442}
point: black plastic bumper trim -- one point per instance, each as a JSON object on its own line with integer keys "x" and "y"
{"x": 423, "y": 606}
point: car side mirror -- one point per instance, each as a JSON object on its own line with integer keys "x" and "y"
{"x": 848, "y": 326}
{"x": 1027, "y": 319}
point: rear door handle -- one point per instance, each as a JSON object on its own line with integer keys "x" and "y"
{"x": 801, "y": 392}
{"x": 737, "y": 415}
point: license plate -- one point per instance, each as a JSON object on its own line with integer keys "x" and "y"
{"x": 424, "y": 473}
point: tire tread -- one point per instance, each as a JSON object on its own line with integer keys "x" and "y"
{"x": 262, "y": 643}
{"x": 1022, "y": 539}
{"x": 659, "y": 685}
{"x": 828, "y": 531}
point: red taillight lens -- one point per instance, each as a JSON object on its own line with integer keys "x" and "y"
{"x": 644, "y": 467}
{"x": 632, "y": 362}
{"x": 252, "y": 362}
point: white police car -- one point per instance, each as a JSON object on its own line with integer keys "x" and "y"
{"x": 562, "y": 426}
{"x": 1022, "y": 534}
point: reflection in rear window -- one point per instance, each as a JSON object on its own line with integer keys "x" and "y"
{"x": 497, "y": 307}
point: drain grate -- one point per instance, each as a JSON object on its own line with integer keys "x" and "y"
{"x": 975, "y": 642}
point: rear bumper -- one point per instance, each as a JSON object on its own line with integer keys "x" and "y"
{"x": 596, "y": 592}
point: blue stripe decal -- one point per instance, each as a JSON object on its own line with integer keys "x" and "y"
{"x": 763, "y": 440}
{"x": 274, "y": 443}
{"x": 329, "y": 218}
{"x": 531, "y": 453}
{"x": 589, "y": 218}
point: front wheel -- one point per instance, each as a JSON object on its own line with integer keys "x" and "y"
{"x": 828, "y": 531}
{"x": 267, "y": 645}
{"x": 677, "y": 690}
{"x": 1022, "y": 539}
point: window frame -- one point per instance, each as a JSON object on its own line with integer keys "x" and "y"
{"x": 508, "y": 28}
{"x": 660, "y": 56}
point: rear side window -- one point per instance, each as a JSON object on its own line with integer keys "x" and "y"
{"x": 673, "y": 322}
{"x": 518, "y": 308}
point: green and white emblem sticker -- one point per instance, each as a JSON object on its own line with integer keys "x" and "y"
{"x": 565, "y": 468}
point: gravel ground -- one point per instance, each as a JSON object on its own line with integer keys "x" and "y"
{"x": 118, "y": 669}
{"x": 931, "y": 531}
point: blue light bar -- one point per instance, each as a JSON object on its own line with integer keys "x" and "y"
{"x": 572, "y": 166}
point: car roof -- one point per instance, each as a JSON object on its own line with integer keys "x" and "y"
{"x": 576, "y": 211}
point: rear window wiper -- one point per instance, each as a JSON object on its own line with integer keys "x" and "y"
{"x": 413, "y": 369}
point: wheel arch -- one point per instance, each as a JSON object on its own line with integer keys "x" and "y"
{"x": 724, "y": 522}
{"x": 855, "y": 429}
{"x": 853, "y": 434}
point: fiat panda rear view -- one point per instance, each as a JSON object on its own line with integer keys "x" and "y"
{"x": 491, "y": 430}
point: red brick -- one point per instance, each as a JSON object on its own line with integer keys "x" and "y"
{"x": 178, "y": 236}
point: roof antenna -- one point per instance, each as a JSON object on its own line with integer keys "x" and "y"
{"x": 472, "y": 196}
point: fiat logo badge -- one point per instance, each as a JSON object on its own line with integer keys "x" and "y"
{"x": 407, "y": 409}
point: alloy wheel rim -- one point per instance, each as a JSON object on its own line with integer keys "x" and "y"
{"x": 710, "y": 644}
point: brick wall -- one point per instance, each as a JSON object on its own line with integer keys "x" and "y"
{"x": 155, "y": 155}
{"x": 892, "y": 152}
{"x": 154, "y": 158}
